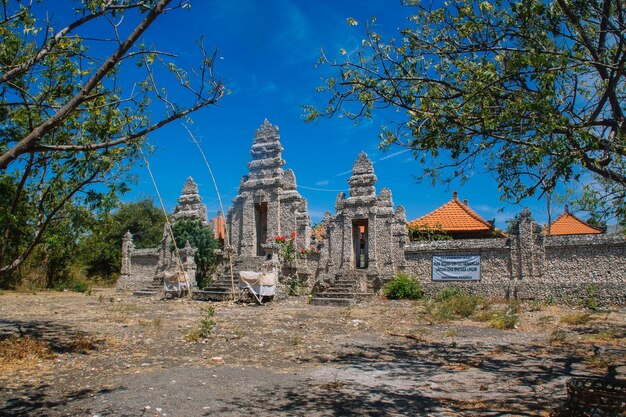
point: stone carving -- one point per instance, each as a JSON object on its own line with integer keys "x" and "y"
{"x": 365, "y": 234}
{"x": 190, "y": 205}
{"x": 268, "y": 203}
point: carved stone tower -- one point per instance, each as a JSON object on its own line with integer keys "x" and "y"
{"x": 190, "y": 205}
{"x": 267, "y": 203}
{"x": 366, "y": 233}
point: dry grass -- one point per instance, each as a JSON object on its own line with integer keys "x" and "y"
{"x": 19, "y": 352}
{"x": 156, "y": 322}
{"x": 576, "y": 319}
{"x": 599, "y": 362}
{"x": 558, "y": 338}
{"x": 83, "y": 344}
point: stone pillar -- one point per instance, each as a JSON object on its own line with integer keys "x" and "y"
{"x": 189, "y": 265}
{"x": 126, "y": 268}
{"x": 529, "y": 249}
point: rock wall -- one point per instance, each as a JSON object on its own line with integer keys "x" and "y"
{"x": 532, "y": 266}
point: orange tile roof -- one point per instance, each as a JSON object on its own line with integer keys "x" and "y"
{"x": 455, "y": 216}
{"x": 219, "y": 226}
{"x": 568, "y": 224}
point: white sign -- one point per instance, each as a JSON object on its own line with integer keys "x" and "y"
{"x": 456, "y": 268}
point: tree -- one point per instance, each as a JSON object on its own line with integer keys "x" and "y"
{"x": 101, "y": 250}
{"x": 72, "y": 120}
{"x": 201, "y": 238}
{"x": 533, "y": 90}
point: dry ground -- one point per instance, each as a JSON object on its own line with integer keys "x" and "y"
{"x": 110, "y": 354}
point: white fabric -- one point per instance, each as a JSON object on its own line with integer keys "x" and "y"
{"x": 174, "y": 286}
{"x": 259, "y": 290}
{"x": 257, "y": 278}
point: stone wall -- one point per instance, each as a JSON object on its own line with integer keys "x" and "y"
{"x": 532, "y": 266}
{"x": 143, "y": 268}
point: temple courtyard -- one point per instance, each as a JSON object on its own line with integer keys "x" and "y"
{"x": 109, "y": 353}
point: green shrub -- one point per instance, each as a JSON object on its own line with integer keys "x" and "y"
{"x": 80, "y": 286}
{"x": 447, "y": 293}
{"x": 504, "y": 321}
{"x": 76, "y": 285}
{"x": 404, "y": 287}
{"x": 207, "y": 323}
{"x": 463, "y": 305}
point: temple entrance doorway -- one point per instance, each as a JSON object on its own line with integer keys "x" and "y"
{"x": 360, "y": 243}
{"x": 260, "y": 219}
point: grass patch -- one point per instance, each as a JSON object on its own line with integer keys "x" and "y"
{"x": 607, "y": 335}
{"x": 75, "y": 285}
{"x": 504, "y": 321}
{"x": 482, "y": 316}
{"x": 599, "y": 362}
{"x": 17, "y": 351}
{"x": 576, "y": 319}
{"x": 403, "y": 287}
{"x": 205, "y": 326}
{"x": 450, "y": 304}
{"x": 557, "y": 337}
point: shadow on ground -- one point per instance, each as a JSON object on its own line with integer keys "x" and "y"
{"x": 59, "y": 337}
{"x": 36, "y": 401}
{"x": 419, "y": 378}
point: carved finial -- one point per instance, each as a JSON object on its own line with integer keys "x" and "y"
{"x": 339, "y": 201}
{"x": 266, "y": 130}
{"x": 466, "y": 202}
{"x": 362, "y": 165}
{"x": 289, "y": 180}
{"x": 455, "y": 195}
{"x": 128, "y": 236}
{"x": 526, "y": 213}
{"x": 190, "y": 187}
{"x": 566, "y": 208}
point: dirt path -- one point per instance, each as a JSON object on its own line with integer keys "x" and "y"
{"x": 110, "y": 355}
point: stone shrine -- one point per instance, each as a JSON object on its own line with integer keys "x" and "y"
{"x": 190, "y": 206}
{"x": 364, "y": 243}
{"x": 267, "y": 203}
{"x": 143, "y": 270}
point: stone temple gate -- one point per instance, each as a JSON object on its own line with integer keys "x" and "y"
{"x": 267, "y": 203}
{"x": 364, "y": 239}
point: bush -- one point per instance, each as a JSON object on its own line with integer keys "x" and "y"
{"x": 504, "y": 321}
{"x": 76, "y": 285}
{"x": 461, "y": 305}
{"x": 404, "y": 287}
{"x": 483, "y": 315}
{"x": 448, "y": 293}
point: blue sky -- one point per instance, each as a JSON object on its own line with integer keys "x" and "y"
{"x": 267, "y": 55}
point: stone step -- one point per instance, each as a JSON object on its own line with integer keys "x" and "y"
{"x": 147, "y": 293}
{"x": 347, "y": 295}
{"x": 333, "y": 302}
{"x": 336, "y": 291}
{"x": 211, "y": 295}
